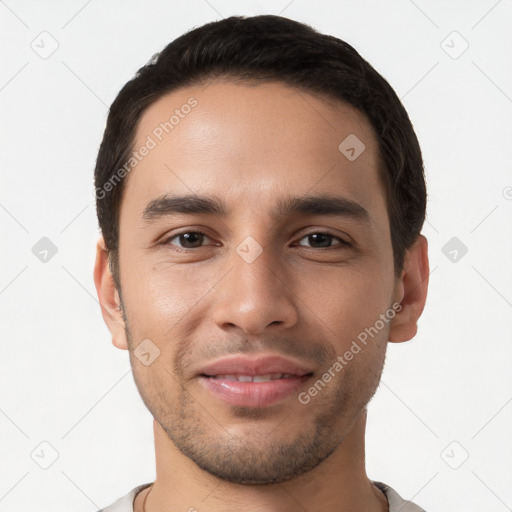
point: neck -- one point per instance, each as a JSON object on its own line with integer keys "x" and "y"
{"x": 337, "y": 484}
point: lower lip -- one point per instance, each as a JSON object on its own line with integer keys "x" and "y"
{"x": 253, "y": 394}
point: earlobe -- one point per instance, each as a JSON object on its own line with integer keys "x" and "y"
{"x": 412, "y": 288}
{"x": 109, "y": 297}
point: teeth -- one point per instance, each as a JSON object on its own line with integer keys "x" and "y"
{"x": 256, "y": 378}
{"x": 262, "y": 378}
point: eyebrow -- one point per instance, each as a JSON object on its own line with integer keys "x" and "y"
{"x": 323, "y": 204}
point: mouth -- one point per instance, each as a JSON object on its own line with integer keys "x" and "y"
{"x": 254, "y": 378}
{"x": 257, "y": 382}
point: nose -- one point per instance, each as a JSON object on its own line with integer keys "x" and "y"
{"x": 255, "y": 296}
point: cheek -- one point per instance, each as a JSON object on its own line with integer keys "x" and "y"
{"x": 157, "y": 386}
{"x": 158, "y": 295}
{"x": 345, "y": 300}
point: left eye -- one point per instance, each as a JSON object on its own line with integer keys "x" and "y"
{"x": 189, "y": 239}
{"x": 322, "y": 240}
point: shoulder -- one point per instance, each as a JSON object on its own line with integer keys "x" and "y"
{"x": 396, "y": 502}
{"x": 125, "y": 503}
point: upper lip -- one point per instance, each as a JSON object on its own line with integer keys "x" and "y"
{"x": 261, "y": 365}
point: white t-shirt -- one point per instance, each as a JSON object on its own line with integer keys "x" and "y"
{"x": 396, "y": 503}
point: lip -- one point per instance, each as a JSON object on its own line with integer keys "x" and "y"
{"x": 262, "y": 365}
{"x": 254, "y": 394}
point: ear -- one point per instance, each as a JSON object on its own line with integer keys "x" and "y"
{"x": 411, "y": 292}
{"x": 109, "y": 297}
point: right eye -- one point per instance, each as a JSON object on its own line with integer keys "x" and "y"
{"x": 187, "y": 239}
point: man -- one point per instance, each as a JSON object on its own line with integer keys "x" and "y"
{"x": 260, "y": 192}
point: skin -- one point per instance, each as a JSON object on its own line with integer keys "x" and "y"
{"x": 251, "y": 145}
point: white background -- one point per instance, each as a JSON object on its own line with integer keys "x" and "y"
{"x": 63, "y": 383}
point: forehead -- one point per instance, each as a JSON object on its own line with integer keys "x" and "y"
{"x": 252, "y": 144}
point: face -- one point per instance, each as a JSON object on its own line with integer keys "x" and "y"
{"x": 253, "y": 288}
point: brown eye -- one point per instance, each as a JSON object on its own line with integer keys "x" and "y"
{"x": 322, "y": 240}
{"x": 188, "y": 239}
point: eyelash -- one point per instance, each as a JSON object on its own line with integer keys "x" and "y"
{"x": 342, "y": 243}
